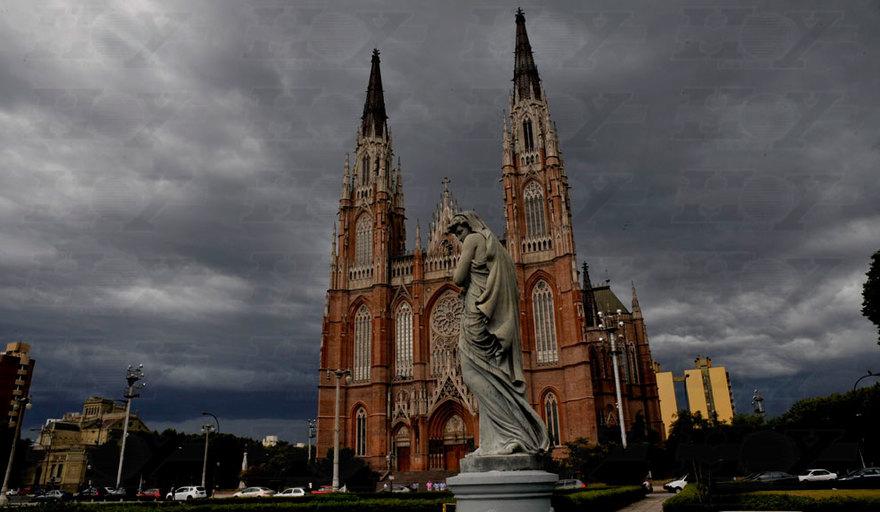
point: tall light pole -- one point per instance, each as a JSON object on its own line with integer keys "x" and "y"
{"x": 859, "y": 414}
{"x": 21, "y": 403}
{"x": 207, "y": 429}
{"x": 340, "y": 374}
{"x": 311, "y": 424}
{"x": 610, "y": 324}
{"x": 133, "y": 376}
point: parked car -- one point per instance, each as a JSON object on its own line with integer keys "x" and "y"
{"x": 114, "y": 494}
{"x": 863, "y": 478}
{"x": 571, "y": 483}
{"x": 254, "y": 492}
{"x": 149, "y": 495}
{"x": 324, "y": 489}
{"x": 776, "y": 479}
{"x": 91, "y": 494}
{"x": 291, "y": 492}
{"x": 817, "y": 475}
{"x": 187, "y": 493}
{"x": 54, "y": 495}
{"x": 675, "y": 486}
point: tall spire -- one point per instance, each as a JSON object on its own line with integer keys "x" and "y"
{"x": 590, "y": 306}
{"x": 636, "y": 309}
{"x": 526, "y": 82}
{"x": 373, "y": 120}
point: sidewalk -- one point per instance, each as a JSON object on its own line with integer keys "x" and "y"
{"x": 652, "y": 503}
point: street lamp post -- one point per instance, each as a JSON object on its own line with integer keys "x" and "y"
{"x": 859, "y": 414}
{"x": 21, "y": 403}
{"x": 340, "y": 374}
{"x": 611, "y": 323}
{"x": 133, "y": 376}
{"x": 311, "y": 424}
{"x": 207, "y": 429}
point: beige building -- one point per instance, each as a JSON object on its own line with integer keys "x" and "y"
{"x": 63, "y": 447}
{"x": 708, "y": 392}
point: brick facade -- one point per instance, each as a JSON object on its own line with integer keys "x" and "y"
{"x": 392, "y": 314}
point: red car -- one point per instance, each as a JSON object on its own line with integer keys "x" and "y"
{"x": 324, "y": 489}
{"x": 149, "y": 495}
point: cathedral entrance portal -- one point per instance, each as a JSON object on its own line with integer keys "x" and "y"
{"x": 452, "y": 437}
{"x": 402, "y": 449}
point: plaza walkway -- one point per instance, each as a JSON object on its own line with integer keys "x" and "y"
{"x": 652, "y": 503}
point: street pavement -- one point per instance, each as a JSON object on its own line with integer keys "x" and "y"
{"x": 652, "y": 503}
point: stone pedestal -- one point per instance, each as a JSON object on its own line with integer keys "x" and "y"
{"x": 504, "y": 483}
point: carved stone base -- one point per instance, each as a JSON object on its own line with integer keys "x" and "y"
{"x": 512, "y": 462}
{"x": 507, "y": 491}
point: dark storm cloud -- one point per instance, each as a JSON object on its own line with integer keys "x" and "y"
{"x": 171, "y": 174}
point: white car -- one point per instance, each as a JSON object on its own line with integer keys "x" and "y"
{"x": 188, "y": 493}
{"x": 254, "y": 492}
{"x": 291, "y": 492}
{"x": 817, "y": 475}
{"x": 676, "y": 485}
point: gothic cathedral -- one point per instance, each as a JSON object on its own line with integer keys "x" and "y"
{"x": 392, "y": 315}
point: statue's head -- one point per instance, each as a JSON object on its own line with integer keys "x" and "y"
{"x": 459, "y": 226}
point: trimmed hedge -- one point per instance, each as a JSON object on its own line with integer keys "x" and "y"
{"x": 826, "y": 500}
{"x": 598, "y": 500}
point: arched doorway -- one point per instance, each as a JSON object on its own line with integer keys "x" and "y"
{"x": 402, "y": 448}
{"x": 451, "y": 437}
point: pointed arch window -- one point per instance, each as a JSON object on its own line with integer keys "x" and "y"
{"x": 365, "y": 170}
{"x": 360, "y": 432}
{"x": 545, "y": 323}
{"x": 528, "y": 136}
{"x": 551, "y": 417}
{"x": 363, "y": 253}
{"x": 404, "y": 342}
{"x": 633, "y": 361}
{"x": 534, "y": 199}
{"x": 363, "y": 330}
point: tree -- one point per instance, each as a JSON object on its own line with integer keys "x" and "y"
{"x": 871, "y": 293}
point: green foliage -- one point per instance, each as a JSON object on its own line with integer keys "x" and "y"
{"x": 583, "y": 459}
{"x": 860, "y": 500}
{"x": 871, "y": 293}
{"x": 611, "y": 498}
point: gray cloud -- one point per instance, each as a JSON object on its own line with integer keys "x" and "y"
{"x": 171, "y": 174}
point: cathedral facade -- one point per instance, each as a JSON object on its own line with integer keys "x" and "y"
{"x": 392, "y": 315}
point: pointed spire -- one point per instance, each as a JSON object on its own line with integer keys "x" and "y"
{"x": 418, "y": 236}
{"x": 373, "y": 120}
{"x": 590, "y": 306}
{"x": 636, "y": 309}
{"x": 346, "y": 178}
{"x": 526, "y": 82}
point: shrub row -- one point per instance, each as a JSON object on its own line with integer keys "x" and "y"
{"x": 598, "y": 500}
{"x": 806, "y": 501}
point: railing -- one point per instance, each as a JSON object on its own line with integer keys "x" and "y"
{"x": 538, "y": 244}
{"x": 439, "y": 263}
{"x": 360, "y": 273}
{"x": 402, "y": 266}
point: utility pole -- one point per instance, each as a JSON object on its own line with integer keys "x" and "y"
{"x": 340, "y": 374}
{"x": 611, "y": 323}
{"x": 21, "y": 403}
{"x": 133, "y": 377}
{"x": 207, "y": 429}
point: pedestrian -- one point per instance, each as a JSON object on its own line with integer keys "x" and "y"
{"x": 429, "y": 486}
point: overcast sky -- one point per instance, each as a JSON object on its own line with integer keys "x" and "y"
{"x": 169, "y": 177}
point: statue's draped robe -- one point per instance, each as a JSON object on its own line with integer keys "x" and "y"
{"x": 491, "y": 353}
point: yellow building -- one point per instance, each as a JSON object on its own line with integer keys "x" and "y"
{"x": 707, "y": 388}
{"x": 63, "y": 446}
